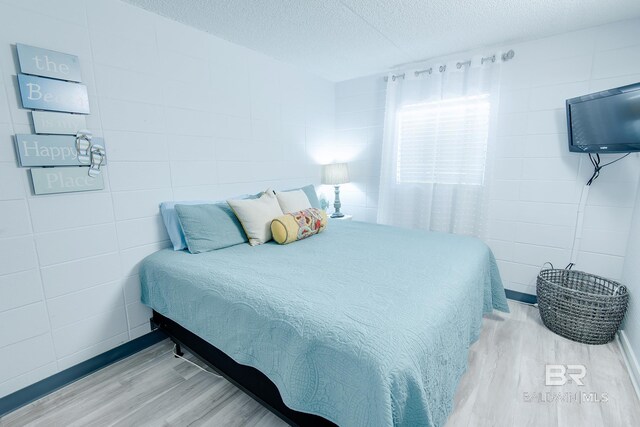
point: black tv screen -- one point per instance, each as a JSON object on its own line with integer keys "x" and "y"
{"x": 605, "y": 122}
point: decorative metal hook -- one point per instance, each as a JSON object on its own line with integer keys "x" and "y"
{"x": 491, "y": 58}
{"x": 428, "y": 71}
{"x": 508, "y": 55}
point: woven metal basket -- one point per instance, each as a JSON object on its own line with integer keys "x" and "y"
{"x": 581, "y": 306}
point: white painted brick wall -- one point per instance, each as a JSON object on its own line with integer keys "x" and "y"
{"x": 536, "y": 181}
{"x": 631, "y": 278}
{"x": 359, "y": 110}
{"x": 189, "y": 116}
{"x": 185, "y": 116}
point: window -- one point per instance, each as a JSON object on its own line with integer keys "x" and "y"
{"x": 443, "y": 142}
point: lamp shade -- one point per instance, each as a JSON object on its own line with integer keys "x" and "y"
{"x": 335, "y": 174}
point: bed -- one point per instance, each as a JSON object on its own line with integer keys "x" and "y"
{"x": 361, "y": 325}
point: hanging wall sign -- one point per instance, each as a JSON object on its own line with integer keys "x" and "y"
{"x": 51, "y": 150}
{"x": 64, "y": 180}
{"x": 58, "y": 123}
{"x": 48, "y": 63}
{"x": 39, "y": 93}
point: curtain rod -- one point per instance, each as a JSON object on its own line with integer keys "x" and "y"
{"x": 492, "y": 58}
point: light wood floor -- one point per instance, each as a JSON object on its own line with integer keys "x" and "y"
{"x": 153, "y": 388}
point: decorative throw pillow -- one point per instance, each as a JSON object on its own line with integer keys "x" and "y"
{"x": 310, "y": 191}
{"x": 209, "y": 227}
{"x": 172, "y": 223}
{"x": 298, "y": 225}
{"x": 256, "y": 216}
{"x": 293, "y": 201}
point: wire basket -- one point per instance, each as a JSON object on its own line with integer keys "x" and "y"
{"x": 581, "y": 306}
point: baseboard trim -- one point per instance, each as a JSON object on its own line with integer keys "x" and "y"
{"x": 630, "y": 360}
{"x": 521, "y": 296}
{"x": 55, "y": 382}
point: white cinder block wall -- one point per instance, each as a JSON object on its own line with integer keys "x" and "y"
{"x": 185, "y": 115}
{"x": 537, "y": 182}
{"x": 360, "y": 105}
{"x": 631, "y": 276}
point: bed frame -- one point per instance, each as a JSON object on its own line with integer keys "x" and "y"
{"x": 246, "y": 378}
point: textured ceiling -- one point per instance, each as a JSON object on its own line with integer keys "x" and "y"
{"x": 343, "y": 39}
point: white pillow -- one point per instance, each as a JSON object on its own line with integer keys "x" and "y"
{"x": 256, "y": 215}
{"x": 293, "y": 201}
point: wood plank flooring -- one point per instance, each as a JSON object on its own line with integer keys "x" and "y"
{"x": 509, "y": 360}
{"x": 152, "y": 388}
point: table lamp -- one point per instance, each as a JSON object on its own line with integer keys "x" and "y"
{"x": 335, "y": 174}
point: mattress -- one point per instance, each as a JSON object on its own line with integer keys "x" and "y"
{"x": 363, "y": 324}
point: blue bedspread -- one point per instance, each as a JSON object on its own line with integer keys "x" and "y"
{"x": 363, "y": 324}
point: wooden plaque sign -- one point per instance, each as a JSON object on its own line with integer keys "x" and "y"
{"x": 64, "y": 180}
{"x": 48, "y": 63}
{"x": 58, "y": 123}
{"x": 39, "y": 93}
{"x": 49, "y": 150}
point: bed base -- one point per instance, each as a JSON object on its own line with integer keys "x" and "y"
{"x": 246, "y": 378}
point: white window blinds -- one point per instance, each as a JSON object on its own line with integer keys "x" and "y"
{"x": 443, "y": 142}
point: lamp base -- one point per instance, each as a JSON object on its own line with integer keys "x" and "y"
{"x": 337, "y": 204}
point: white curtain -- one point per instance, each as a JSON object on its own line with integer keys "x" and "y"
{"x": 437, "y": 146}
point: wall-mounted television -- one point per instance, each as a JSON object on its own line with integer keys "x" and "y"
{"x": 605, "y": 122}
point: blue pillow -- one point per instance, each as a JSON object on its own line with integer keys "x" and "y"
{"x": 210, "y": 227}
{"x": 172, "y": 224}
{"x": 310, "y": 191}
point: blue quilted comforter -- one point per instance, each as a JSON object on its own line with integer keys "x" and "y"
{"x": 363, "y": 324}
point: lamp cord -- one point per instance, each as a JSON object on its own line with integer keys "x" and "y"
{"x": 175, "y": 353}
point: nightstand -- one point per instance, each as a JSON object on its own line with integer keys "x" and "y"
{"x": 344, "y": 218}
